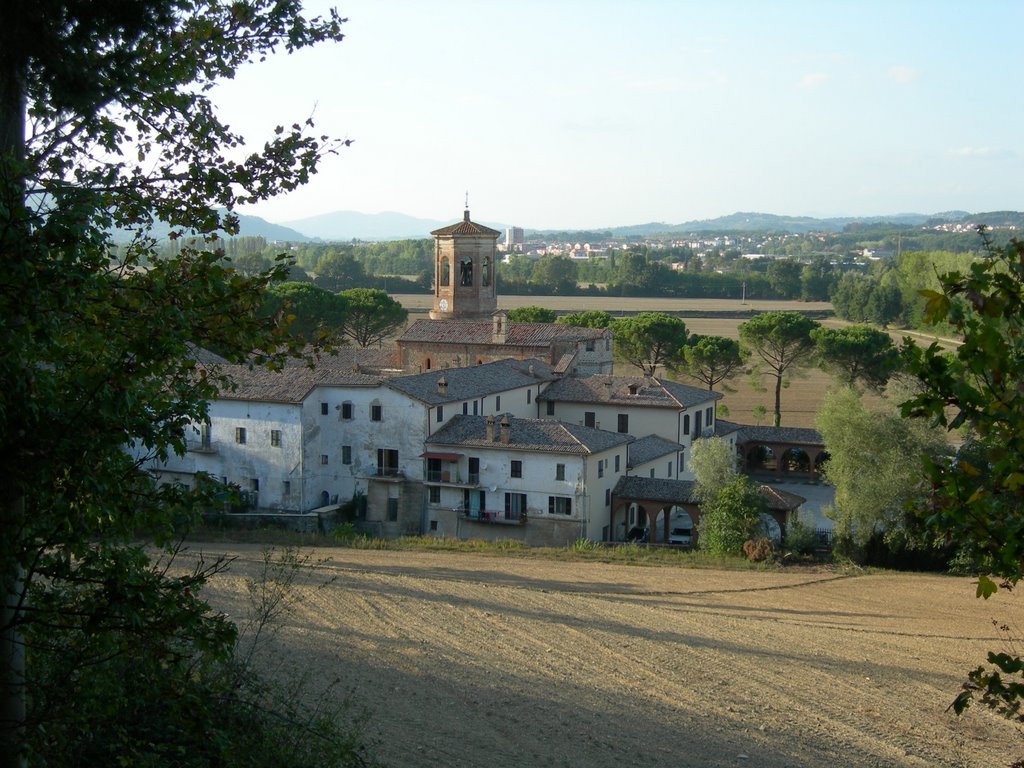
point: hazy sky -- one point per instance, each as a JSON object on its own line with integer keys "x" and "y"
{"x": 585, "y": 114}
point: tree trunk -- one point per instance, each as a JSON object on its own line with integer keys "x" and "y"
{"x": 12, "y": 503}
{"x": 778, "y": 400}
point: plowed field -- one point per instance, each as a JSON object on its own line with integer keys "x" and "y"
{"x": 473, "y": 660}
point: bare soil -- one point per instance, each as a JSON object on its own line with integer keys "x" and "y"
{"x": 476, "y": 660}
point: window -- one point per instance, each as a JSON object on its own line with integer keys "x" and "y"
{"x": 475, "y": 412}
{"x": 696, "y": 424}
{"x": 624, "y": 422}
{"x": 435, "y": 494}
{"x": 589, "y": 419}
{"x": 515, "y": 505}
{"x": 529, "y": 394}
{"x": 240, "y": 435}
{"x": 433, "y": 525}
{"x": 559, "y": 505}
{"x": 616, "y": 462}
{"x": 607, "y": 497}
{"x": 709, "y": 416}
{"x": 346, "y": 454}
{"x": 392, "y": 510}
{"x": 497, "y": 403}
{"x": 559, "y": 471}
{"x": 323, "y": 409}
{"x": 551, "y": 407}
{"x": 686, "y": 424}
{"x": 323, "y": 458}
{"x": 346, "y": 410}
{"x": 286, "y": 487}
{"x": 387, "y": 462}
{"x": 652, "y": 473}
{"x": 669, "y": 469}
{"x": 275, "y": 438}
{"x": 440, "y": 414}
{"x": 600, "y": 468}
{"x": 589, "y": 346}
{"x": 517, "y": 468}
{"x": 376, "y": 412}
{"x": 254, "y": 484}
{"x": 474, "y": 469}
{"x": 681, "y": 463}
{"x": 465, "y": 409}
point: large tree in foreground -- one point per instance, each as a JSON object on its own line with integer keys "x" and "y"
{"x": 873, "y": 503}
{"x": 782, "y": 343}
{"x": 649, "y": 340}
{"x": 978, "y": 499}
{"x": 106, "y": 122}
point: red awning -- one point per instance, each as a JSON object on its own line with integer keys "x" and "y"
{"x": 441, "y": 456}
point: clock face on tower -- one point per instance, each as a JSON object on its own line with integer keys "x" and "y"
{"x": 443, "y": 305}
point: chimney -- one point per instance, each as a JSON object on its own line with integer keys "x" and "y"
{"x": 442, "y": 387}
{"x": 499, "y": 327}
{"x": 504, "y": 429}
{"x": 489, "y": 433}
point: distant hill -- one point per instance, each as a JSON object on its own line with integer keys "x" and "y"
{"x": 346, "y": 225}
{"x": 254, "y": 226}
{"x": 248, "y": 226}
{"x": 349, "y": 225}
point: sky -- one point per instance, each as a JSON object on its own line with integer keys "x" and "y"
{"x": 571, "y": 114}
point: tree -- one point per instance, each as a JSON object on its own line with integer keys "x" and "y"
{"x": 106, "y": 122}
{"x": 782, "y": 342}
{"x": 857, "y": 353}
{"x": 371, "y": 315}
{"x": 591, "y": 318}
{"x": 555, "y": 274}
{"x": 339, "y": 272}
{"x": 531, "y": 315}
{"x": 869, "y": 503}
{"x": 316, "y": 315}
{"x": 977, "y": 499}
{"x": 714, "y": 466}
{"x": 650, "y": 340}
{"x": 712, "y": 359}
{"x": 731, "y": 517}
{"x": 784, "y": 278}
{"x": 816, "y": 280}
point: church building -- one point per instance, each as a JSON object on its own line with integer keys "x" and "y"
{"x": 466, "y": 328}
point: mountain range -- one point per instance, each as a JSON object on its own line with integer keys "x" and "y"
{"x": 352, "y": 225}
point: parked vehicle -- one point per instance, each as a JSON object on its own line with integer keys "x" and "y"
{"x": 681, "y": 536}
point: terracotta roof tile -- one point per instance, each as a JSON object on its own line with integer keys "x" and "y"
{"x": 627, "y": 390}
{"x": 469, "y": 383}
{"x": 527, "y": 435}
{"x": 517, "y": 334}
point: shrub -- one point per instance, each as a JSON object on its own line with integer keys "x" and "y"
{"x": 731, "y": 517}
{"x": 758, "y": 550}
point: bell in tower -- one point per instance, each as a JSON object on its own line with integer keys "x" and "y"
{"x": 464, "y": 263}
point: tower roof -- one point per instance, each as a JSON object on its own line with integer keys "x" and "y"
{"x": 466, "y": 227}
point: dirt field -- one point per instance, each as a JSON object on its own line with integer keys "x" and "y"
{"x": 470, "y": 660}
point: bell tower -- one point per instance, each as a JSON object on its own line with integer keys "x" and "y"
{"x": 464, "y": 271}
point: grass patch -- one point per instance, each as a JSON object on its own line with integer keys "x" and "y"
{"x": 642, "y": 555}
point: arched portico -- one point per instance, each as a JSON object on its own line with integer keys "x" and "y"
{"x": 789, "y": 454}
{"x": 652, "y": 502}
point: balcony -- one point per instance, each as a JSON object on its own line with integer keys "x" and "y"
{"x": 492, "y": 517}
{"x": 445, "y": 477}
{"x": 387, "y": 473}
{"x": 199, "y": 445}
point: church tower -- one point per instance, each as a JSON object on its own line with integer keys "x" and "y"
{"x": 464, "y": 271}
